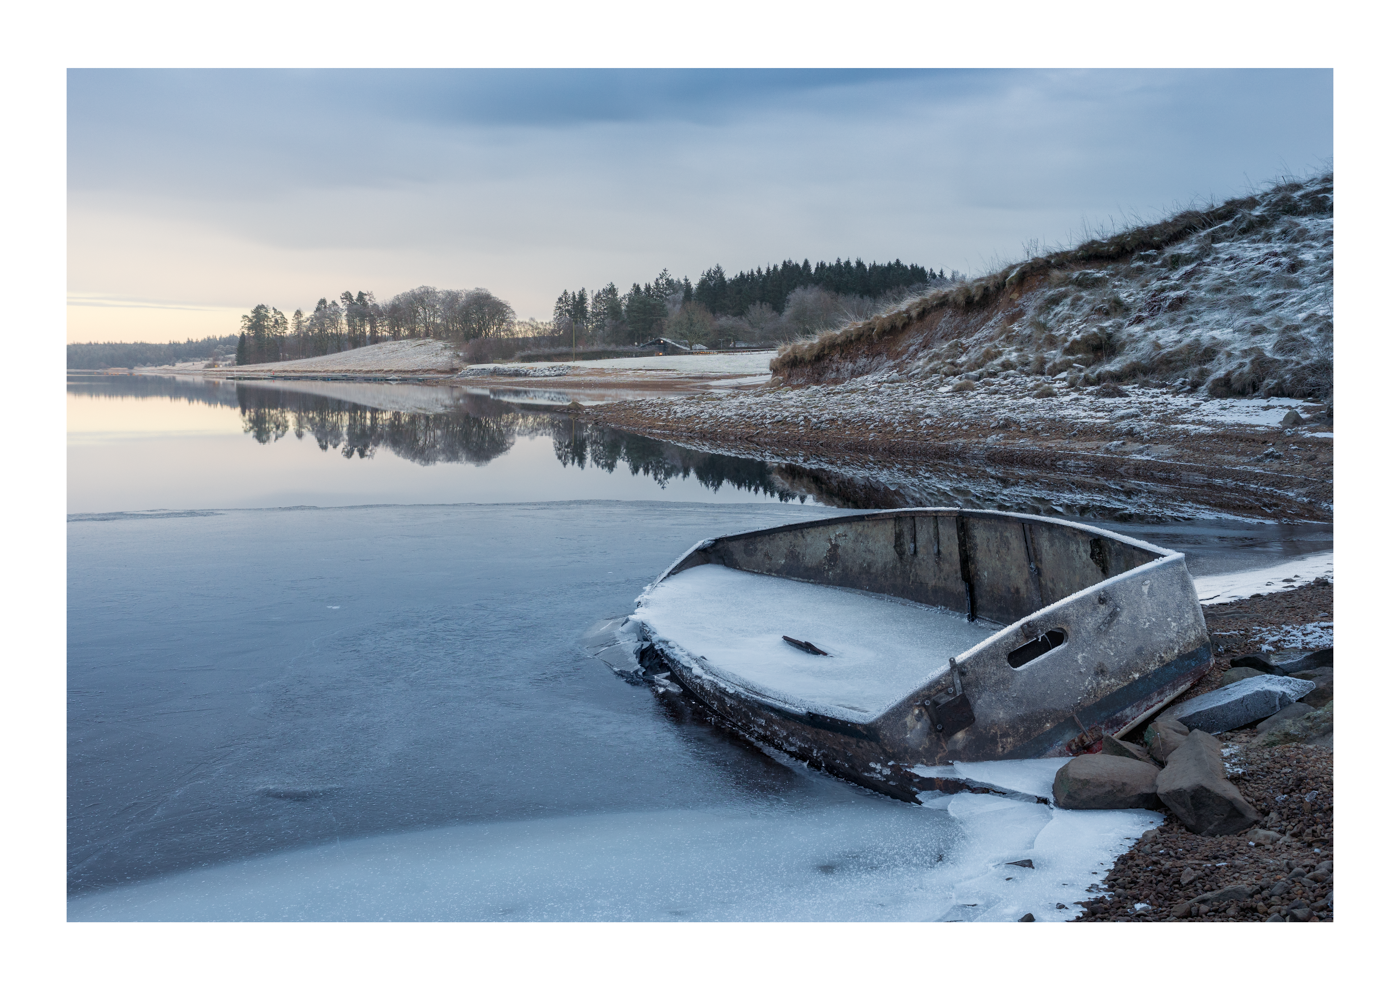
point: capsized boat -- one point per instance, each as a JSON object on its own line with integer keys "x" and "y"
{"x": 883, "y": 647}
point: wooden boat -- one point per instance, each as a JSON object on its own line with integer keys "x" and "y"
{"x": 885, "y": 646}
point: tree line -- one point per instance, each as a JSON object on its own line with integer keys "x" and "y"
{"x": 358, "y": 319}
{"x": 759, "y": 306}
{"x": 135, "y": 355}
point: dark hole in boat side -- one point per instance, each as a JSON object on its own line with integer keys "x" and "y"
{"x": 1098, "y": 553}
{"x": 1023, "y": 655}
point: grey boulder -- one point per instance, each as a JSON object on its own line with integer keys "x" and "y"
{"x": 1194, "y": 787}
{"x": 1293, "y": 661}
{"x": 1239, "y": 704}
{"x": 1097, "y": 781}
{"x": 1320, "y": 658}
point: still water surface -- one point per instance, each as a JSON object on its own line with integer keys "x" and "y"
{"x": 247, "y": 682}
{"x": 139, "y": 442}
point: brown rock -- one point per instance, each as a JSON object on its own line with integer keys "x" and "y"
{"x": 1099, "y": 781}
{"x": 1285, "y": 714}
{"x": 1127, "y": 750}
{"x": 1321, "y": 694}
{"x": 1163, "y": 736}
{"x": 1194, "y": 787}
{"x": 1234, "y": 893}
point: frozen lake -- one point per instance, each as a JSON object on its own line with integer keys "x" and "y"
{"x": 395, "y": 701}
{"x": 386, "y": 711}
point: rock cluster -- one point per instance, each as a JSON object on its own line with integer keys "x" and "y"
{"x": 1279, "y": 871}
{"x": 1180, "y": 764}
{"x": 1248, "y": 828}
{"x": 1193, "y": 784}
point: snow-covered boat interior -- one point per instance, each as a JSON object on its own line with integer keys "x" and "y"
{"x": 878, "y": 648}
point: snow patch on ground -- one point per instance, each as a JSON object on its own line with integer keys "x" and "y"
{"x": 1219, "y": 588}
{"x": 390, "y": 356}
{"x": 743, "y": 363}
{"x": 1310, "y": 636}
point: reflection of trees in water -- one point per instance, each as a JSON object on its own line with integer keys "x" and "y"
{"x": 480, "y": 431}
{"x": 203, "y": 391}
{"x": 580, "y": 444}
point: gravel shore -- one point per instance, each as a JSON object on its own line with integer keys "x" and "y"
{"x": 1278, "y": 872}
{"x": 1137, "y": 450}
{"x": 1287, "y": 877}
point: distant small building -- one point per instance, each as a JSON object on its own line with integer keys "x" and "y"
{"x": 664, "y": 345}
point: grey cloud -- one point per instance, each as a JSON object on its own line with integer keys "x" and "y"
{"x": 514, "y": 187}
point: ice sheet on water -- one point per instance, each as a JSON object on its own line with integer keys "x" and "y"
{"x": 864, "y": 859}
{"x": 880, "y": 648}
{"x": 441, "y": 747}
{"x": 1035, "y": 778}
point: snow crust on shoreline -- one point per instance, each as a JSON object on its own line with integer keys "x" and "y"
{"x": 1284, "y": 576}
{"x": 742, "y": 363}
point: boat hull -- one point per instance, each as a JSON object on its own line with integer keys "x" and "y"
{"x": 1097, "y": 632}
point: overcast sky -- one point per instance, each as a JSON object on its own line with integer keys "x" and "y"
{"x": 194, "y": 195}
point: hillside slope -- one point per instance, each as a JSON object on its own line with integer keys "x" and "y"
{"x": 1236, "y": 299}
{"x": 389, "y": 357}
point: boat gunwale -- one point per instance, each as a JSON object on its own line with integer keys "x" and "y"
{"x": 922, "y": 511}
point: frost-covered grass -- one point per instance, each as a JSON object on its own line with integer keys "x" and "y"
{"x": 931, "y": 409}
{"x": 1237, "y": 299}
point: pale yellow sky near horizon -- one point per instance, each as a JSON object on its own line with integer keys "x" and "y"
{"x": 102, "y": 321}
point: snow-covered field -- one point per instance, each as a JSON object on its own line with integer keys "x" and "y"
{"x": 743, "y": 363}
{"x": 406, "y": 356}
{"x": 390, "y": 356}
